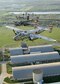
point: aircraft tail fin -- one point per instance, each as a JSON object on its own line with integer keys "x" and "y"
{"x": 50, "y": 28}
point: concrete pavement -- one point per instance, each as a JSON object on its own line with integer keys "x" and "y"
{"x": 3, "y": 74}
{"x": 56, "y": 44}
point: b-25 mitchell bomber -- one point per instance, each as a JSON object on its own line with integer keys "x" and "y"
{"x": 30, "y": 34}
{"x": 25, "y": 23}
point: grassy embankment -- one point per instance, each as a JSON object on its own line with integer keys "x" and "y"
{"x": 9, "y": 68}
{"x": 30, "y": 81}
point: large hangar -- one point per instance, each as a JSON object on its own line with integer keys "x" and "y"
{"x": 16, "y": 51}
{"x": 35, "y": 49}
{"x": 38, "y": 57}
{"x": 42, "y": 57}
{"x": 41, "y": 48}
{"x": 25, "y": 72}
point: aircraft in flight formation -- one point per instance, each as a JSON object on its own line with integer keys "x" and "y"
{"x": 30, "y": 34}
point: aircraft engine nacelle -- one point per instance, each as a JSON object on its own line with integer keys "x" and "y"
{"x": 32, "y": 37}
{"x": 16, "y": 38}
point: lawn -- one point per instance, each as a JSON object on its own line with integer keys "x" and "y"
{"x": 9, "y": 68}
{"x": 47, "y": 80}
{"x": 6, "y": 37}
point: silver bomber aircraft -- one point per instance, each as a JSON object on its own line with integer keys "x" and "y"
{"x": 30, "y": 34}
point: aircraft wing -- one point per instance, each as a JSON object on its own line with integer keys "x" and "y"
{"x": 44, "y": 28}
{"x": 42, "y": 37}
{"x": 13, "y": 28}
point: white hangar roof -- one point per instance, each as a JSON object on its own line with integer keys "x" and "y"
{"x": 16, "y": 51}
{"x": 35, "y": 57}
{"x": 41, "y": 48}
{"x": 37, "y": 66}
{"x": 25, "y": 72}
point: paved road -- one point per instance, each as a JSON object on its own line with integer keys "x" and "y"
{"x": 3, "y": 74}
{"x": 35, "y": 12}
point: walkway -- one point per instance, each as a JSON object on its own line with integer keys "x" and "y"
{"x": 3, "y": 74}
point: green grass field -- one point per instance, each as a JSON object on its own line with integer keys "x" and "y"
{"x": 9, "y": 68}
{"x": 6, "y": 37}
